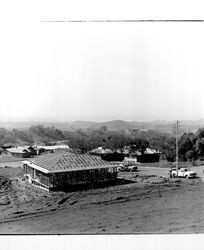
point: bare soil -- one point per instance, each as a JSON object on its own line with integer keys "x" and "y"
{"x": 148, "y": 203}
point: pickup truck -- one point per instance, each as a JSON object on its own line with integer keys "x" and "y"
{"x": 127, "y": 168}
{"x": 130, "y": 161}
{"x": 182, "y": 172}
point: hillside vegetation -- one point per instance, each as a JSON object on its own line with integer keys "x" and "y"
{"x": 35, "y": 134}
{"x": 191, "y": 145}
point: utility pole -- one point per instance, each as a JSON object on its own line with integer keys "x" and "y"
{"x": 177, "y": 122}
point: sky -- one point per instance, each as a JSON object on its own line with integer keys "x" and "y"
{"x": 98, "y": 71}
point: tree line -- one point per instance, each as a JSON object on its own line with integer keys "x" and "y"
{"x": 191, "y": 145}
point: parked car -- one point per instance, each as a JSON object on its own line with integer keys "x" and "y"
{"x": 129, "y": 168}
{"x": 124, "y": 168}
{"x": 120, "y": 167}
{"x": 130, "y": 161}
{"x": 182, "y": 172}
{"x": 132, "y": 168}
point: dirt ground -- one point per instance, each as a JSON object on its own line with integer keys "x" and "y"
{"x": 149, "y": 203}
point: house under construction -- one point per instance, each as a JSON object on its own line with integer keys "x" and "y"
{"x": 60, "y": 170}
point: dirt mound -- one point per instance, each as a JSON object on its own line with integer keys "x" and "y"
{"x": 5, "y": 188}
{"x": 4, "y": 181}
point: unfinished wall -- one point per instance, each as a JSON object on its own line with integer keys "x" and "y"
{"x": 83, "y": 177}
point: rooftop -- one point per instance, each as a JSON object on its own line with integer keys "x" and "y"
{"x": 62, "y": 162}
{"x": 18, "y": 150}
{"x": 151, "y": 151}
{"x": 53, "y": 147}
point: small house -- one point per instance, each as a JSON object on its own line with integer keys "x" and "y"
{"x": 52, "y": 148}
{"x": 150, "y": 155}
{"x": 20, "y": 152}
{"x": 65, "y": 169}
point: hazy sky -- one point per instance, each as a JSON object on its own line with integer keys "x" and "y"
{"x": 99, "y": 71}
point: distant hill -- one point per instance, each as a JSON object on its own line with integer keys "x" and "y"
{"x": 115, "y": 125}
{"x": 164, "y": 126}
{"x": 48, "y": 132}
{"x": 82, "y": 124}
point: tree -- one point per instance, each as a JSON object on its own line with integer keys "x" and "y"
{"x": 169, "y": 149}
{"x": 190, "y": 155}
{"x": 186, "y": 144}
{"x": 104, "y": 128}
{"x": 139, "y": 144}
{"x": 116, "y": 141}
{"x": 199, "y": 147}
{"x": 158, "y": 140}
{"x": 200, "y": 133}
{"x": 199, "y": 143}
{"x": 84, "y": 142}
